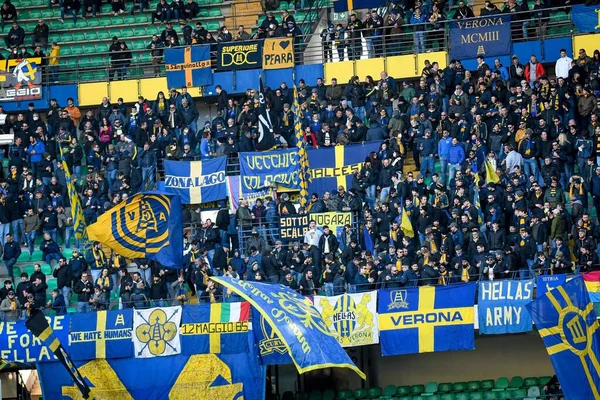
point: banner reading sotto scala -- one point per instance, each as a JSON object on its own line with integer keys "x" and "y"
{"x": 351, "y": 318}
{"x": 487, "y": 36}
{"x": 332, "y": 167}
{"x": 147, "y": 225}
{"x": 188, "y": 66}
{"x": 196, "y": 181}
{"x": 426, "y": 319}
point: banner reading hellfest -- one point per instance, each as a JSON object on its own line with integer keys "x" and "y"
{"x": 352, "y": 318}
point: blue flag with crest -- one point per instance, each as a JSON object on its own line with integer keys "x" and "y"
{"x": 566, "y": 321}
{"x": 271, "y": 348}
{"x": 296, "y": 322}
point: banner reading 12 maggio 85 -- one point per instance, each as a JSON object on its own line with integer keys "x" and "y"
{"x": 487, "y": 36}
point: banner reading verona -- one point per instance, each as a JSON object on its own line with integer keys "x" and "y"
{"x": 296, "y": 322}
{"x": 263, "y": 169}
{"x": 487, "y": 36}
{"x": 332, "y": 167}
{"x": 426, "y": 319}
{"x": 502, "y": 306}
{"x": 196, "y": 181}
{"x": 243, "y": 55}
{"x": 586, "y": 17}
{"x": 351, "y": 318}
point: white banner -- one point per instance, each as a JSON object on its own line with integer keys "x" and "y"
{"x": 351, "y": 318}
{"x": 156, "y": 332}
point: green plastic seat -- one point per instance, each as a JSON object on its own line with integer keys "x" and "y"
{"x": 102, "y": 48}
{"x": 114, "y": 32}
{"x": 65, "y": 51}
{"x": 33, "y": 14}
{"x": 66, "y": 37}
{"x": 77, "y": 50}
{"x": 503, "y": 395}
{"x": 71, "y": 310}
{"x": 516, "y": 382}
{"x": 402, "y": 391}
{"x": 70, "y": 63}
{"x": 284, "y": 5}
{"x": 203, "y": 13}
{"x": 519, "y": 394}
{"x": 461, "y": 396}
{"x": 360, "y": 393}
{"x": 105, "y": 21}
{"x": 344, "y": 394}
{"x": 473, "y": 385}
{"x": 213, "y": 26}
{"x": 501, "y": 384}
{"x": 138, "y": 45}
{"x": 100, "y": 75}
{"x": 28, "y": 26}
{"x": 55, "y": 25}
{"x": 444, "y": 388}
{"x": 389, "y": 391}
{"x": 47, "y": 14}
{"x": 118, "y": 20}
{"x": 38, "y": 3}
{"x": 203, "y": 2}
{"x": 490, "y": 395}
{"x": 98, "y": 61}
{"x": 144, "y": 57}
{"x": 215, "y": 12}
{"x": 141, "y": 18}
{"x": 127, "y": 32}
{"x": 417, "y": 389}
{"x": 78, "y": 37}
{"x": 419, "y": 397}
{"x": 46, "y": 269}
{"x": 487, "y": 384}
{"x": 216, "y": 2}
{"x": 92, "y": 23}
{"x": 300, "y": 16}
{"x": 543, "y": 380}
{"x": 25, "y": 3}
{"x": 70, "y": 24}
{"x": 431, "y": 388}
{"x": 152, "y": 30}
{"x": 459, "y": 386}
{"x": 129, "y": 19}
{"x": 139, "y": 31}
{"x": 374, "y": 392}
{"x": 52, "y": 284}
{"x": 89, "y": 48}
{"x": 103, "y": 35}
{"x": 530, "y": 381}
{"x": 475, "y": 396}
{"x": 85, "y": 62}
{"x": 447, "y": 396}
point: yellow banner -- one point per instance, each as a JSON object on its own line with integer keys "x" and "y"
{"x": 278, "y": 53}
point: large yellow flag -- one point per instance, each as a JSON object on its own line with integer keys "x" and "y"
{"x": 406, "y": 225}
{"x": 490, "y": 174}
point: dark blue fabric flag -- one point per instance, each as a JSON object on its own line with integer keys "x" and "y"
{"x": 586, "y": 17}
{"x": 566, "y": 321}
{"x": 188, "y": 66}
{"x": 104, "y": 334}
{"x": 546, "y": 283}
{"x": 262, "y": 169}
{"x": 271, "y": 348}
{"x": 502, "y": 306}
{"x": 196, "y": 181}
{"x": 487, "y": 36}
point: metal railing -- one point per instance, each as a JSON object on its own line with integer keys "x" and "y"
{"x": 77, "y": 68}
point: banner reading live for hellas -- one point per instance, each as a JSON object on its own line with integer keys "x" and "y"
{"x": 278, "y": 53}
{"x": 486, "y": 36}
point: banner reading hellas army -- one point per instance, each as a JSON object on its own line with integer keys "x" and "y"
{"x": 351, "y": 318}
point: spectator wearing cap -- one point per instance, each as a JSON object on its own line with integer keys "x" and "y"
{"x": 10, "y": 307}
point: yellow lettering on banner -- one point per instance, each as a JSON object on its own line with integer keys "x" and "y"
{"x": 598, "y": 15}
{"x": 278, "y": 53}
{"x": 479, "y": 37}
{"x": 239, "y": 55}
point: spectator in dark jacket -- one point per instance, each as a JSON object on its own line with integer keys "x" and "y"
{"x": 58, "y": 303}
{"x": 64, "y": 278}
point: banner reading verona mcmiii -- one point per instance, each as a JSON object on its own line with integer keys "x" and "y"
{"x": 296, "y": 321}
{"x": 487, "y": 36}
{"x": 263, "y": 169}
{"x": 502, "y": 306}
{"x": 351, "y": 318}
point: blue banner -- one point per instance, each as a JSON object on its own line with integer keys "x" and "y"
{"x": 566, "y": 321}
{"x": 586, "y": 18}
{"x": 196, "y": 181}
{"x": 146, "y": 225}
{"x": 104, "y": 334}
{"x": 297, "y": 322}
{"x": 340, "y": 6}
{"x": 215, "y": 328}
{"x": 426, "y": 319}
{"x": 546, "y": 283}
{"x": 487, "y": 36}
{"x": 501, "y": 306}
{"x": 17, "y": 343}
{"x": 188, "y": 66}
{"x": 259, "y": 170}
{"x": 271, "y": 349}
{"x": 332, "y": 166}
{"x": 201, "y": 376}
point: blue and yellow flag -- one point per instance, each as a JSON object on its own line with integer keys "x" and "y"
{"x": 331, "y": 167}
{"x": 196, "y": 181}
{"x": 271, "y": 348}
{"x": 566, "y": 321}
{"x": 406, "y": 225}
{"x": 215, "y": 328}
{"x": 304, "y": 173}
{"x": 188, "y": 66}
{"x": 478, "y": 205}
{"x": 147, "y": 225}
{"x": 76, "y": 209}
{"x": 490, "y": 175}
{"x": 296, "y": 322}
{"x": 427, "y": 319}
{"x": 104, "y": 334}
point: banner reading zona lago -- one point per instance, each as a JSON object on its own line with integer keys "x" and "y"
{"x": 488, "y": 36}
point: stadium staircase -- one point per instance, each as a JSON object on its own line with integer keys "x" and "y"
{"x": 517, "y": 388}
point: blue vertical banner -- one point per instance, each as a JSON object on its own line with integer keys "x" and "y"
{"x": 586, "y": 17}
{"x": 566, "y": 321}
{"x": 486, "y": 36}
{"x": 502, "y": 306}
{"x": 546, "y": 283}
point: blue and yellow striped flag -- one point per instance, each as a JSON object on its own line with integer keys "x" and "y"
{"x": 79, "y": 227}
{"x": 304, "y": 173}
